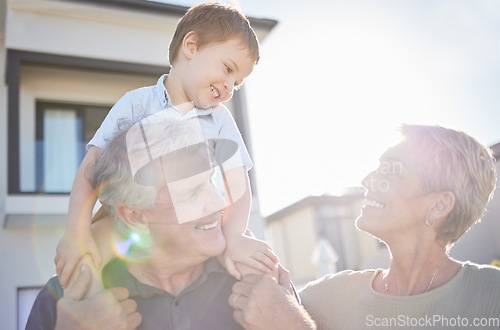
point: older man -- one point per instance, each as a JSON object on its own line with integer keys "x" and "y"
{"x": 156, "y": 180}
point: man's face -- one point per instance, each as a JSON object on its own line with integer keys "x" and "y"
{"x": 215, "y": 70}
{"x": 187, "y": 217}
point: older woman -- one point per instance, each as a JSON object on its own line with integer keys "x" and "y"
{"x": 427, "y": 192}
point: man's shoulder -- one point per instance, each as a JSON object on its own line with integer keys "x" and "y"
{"x": 54, "y": 288}
{"x": 43, "y": 312}
{"x": 213, "y": 266}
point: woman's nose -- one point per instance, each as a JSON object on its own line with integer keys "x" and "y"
{"x": 368, "y": 179}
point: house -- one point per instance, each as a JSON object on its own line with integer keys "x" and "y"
{"x": 317, "y": 235}
{"x": 306, "y": 232}
{"x": 64, "y": 63}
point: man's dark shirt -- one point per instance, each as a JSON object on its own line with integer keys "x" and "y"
{"x": 202, "y": 305}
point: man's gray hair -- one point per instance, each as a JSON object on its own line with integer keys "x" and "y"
{"x": 113, "y": 175}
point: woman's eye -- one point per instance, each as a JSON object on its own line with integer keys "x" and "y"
{"x": 228, "y": 68}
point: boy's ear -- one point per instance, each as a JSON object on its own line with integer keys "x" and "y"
{"x": 190, "y": 44}
{"x": 128, "y": 215}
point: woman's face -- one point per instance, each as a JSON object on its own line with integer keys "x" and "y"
{"x": 394, "y": 206}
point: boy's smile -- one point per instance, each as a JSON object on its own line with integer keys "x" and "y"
{"x": 212, "y": 72}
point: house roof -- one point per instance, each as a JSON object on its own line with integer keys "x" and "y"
{"x": 166, "y": 8}
{"x": 315, "y": 201}
{"x": 496, "y": 151}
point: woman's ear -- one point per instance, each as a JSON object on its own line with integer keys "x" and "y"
{"x": 443, "y": 205}
{"x": 190, "y": 44}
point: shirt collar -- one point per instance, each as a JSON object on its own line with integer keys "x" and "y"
{"x": 161, "y": 92}
{"x": 116, "y": 274}
{"x": 165, "y": 100}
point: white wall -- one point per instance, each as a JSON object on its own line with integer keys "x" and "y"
{"x": 87, "y": 31}
{"x": 71, "y": 28}
{"x": 294, "y": 240}
{"x": 27, "y": 260}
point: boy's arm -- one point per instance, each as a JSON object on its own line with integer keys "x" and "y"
{"x": 78, "y": 239}
{"x": 252, "y": 255}
{"x": 102, "y": 232}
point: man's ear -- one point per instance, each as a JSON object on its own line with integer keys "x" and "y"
{"x": 128, "y": 215}
{"x": 190, "y": 44}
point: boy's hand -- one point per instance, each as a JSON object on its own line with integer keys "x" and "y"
{"x": 251, "y": 255}
{"x": 69, "y": 251}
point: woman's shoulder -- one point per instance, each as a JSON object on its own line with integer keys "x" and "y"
{"x": 333, "y": 281}
{"x": 487, "y": 273}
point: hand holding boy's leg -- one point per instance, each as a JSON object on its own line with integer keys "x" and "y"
{"x": 110, "y": 309}
{"x": 263, "y": 302}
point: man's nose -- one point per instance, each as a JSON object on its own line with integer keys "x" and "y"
{"x": 214, "y": 200}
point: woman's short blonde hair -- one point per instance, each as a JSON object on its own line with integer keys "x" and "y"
{"x": 451, "y": 160}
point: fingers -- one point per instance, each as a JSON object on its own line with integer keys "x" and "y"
{"x": 59, "y": 269}
{"x": 134, "y": 320}
{"x": 67, "y": 269}
{"x": 81, "y": 285}
{"x": 245, "y": 286}
{"x": 253, "y": 266}
{"x": 120, "y": 293}
{"x": 231, "y": 268}
{"x": 272, "y": 256}
{"x": 238, "y": 301}
{"x": 238, "y": 316}
{"x": 283, "y": 276}
{"x": 267, "y": 259}
{"x": 94, "y": 253}
{"x": 129, "y": 307}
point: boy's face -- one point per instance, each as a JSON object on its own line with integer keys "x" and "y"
{"x": 214, "y": 71}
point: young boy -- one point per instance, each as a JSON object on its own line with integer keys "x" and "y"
{"x": 211, "y": 53}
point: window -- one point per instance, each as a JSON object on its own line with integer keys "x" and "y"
{"x": 62, "y": 132}
{"x": 25, "y": 299}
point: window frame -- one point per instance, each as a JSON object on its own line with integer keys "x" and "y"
{"x": 21, "y": 321}
{"x": 41, "y": 106}
{"x": 15, "y": 59}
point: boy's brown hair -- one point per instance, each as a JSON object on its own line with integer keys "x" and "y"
{"x": 214, "y": 23}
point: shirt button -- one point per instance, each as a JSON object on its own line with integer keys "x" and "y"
{"x": 176, "y": 303}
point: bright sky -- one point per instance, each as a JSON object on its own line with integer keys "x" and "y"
{"x": 337, "y": 77}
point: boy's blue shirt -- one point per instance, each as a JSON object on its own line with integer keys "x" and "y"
{"x": 216, "y": 123}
